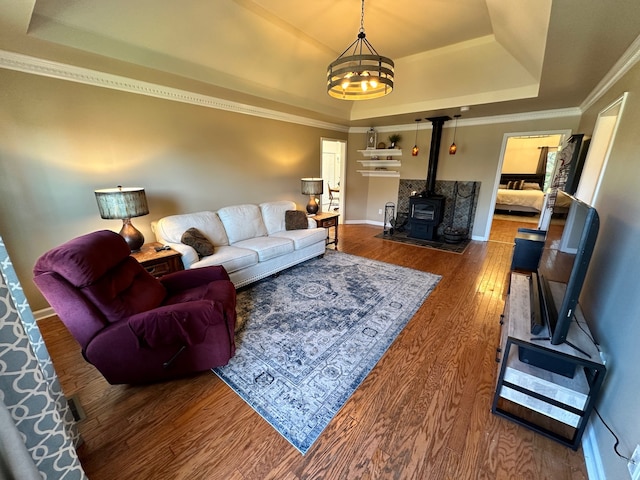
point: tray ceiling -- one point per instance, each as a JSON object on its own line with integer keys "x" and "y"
{"x": 493, "y": 55}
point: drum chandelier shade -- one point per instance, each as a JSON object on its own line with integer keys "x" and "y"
{"x": 360, "y": 73}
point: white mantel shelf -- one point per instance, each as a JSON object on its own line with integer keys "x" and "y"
{"x": 381, "y": 152}
{"x": 380, "y": 163}
{"x": 379, "y": 173}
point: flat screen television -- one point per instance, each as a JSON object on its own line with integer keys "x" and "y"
{"x": 569, "y": 243}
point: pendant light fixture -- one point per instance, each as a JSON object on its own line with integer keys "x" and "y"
{"x": 415, "y": 150}
{"x": 453, "y": 148}
{"x": 360, "y": 73}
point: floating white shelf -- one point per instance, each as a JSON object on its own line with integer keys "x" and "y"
{"x": 380, "y": 163}
{"x": 381, "y": 152}
{"x": 379, "y": 173}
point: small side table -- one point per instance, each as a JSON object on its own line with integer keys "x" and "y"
{"x": 158, "y": 263}
{"x": 328, "y": 220}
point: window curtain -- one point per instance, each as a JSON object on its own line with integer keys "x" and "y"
{"x": 37, "y": 429}
{"x": 542, "y": 161}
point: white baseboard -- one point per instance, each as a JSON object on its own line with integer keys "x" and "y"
{"x": 592, "y": 458}
{"x": 363, "y": 222}
{"x": 381, "y": 224}
{"x": 44, "y": 313}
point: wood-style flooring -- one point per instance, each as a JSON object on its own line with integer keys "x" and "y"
{"x": 424, "y": 412}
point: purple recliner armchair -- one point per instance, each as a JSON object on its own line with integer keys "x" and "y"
{"x": 133, "y": 327}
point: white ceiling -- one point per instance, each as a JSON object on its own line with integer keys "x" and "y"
{"x": 496, "y": 56}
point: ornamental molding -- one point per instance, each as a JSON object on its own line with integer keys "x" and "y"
{"x": 61, "y": 71}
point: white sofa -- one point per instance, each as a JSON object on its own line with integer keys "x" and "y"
{"x": 250, "y": 241}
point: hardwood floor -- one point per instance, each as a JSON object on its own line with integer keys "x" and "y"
{"x": 424, "y": 412}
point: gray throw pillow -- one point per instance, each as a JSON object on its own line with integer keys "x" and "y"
{"x": 295, "y": 220}
{"x": 196, "y": 239}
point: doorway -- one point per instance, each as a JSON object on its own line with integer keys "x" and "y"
{"x": 604, "y": 134}
{"x": 333, "y": 173}
{"x": 520, "y": 154}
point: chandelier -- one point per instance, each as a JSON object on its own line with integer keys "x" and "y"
{"x": 360, "y": 73}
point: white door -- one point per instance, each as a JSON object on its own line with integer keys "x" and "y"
{"x": 333, "y": 172}
{"x": 596, "y": 162}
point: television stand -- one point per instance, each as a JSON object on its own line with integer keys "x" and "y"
{"x": 550, "y": 389}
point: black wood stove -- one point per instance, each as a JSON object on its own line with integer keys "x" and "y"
{"x": 425, "y": 214}
{"x": 426, "y": 209}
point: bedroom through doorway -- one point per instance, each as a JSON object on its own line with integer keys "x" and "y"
{"x": 525, "y": 171}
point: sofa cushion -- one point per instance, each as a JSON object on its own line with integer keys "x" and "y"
{"x": 196, "y": 239}
{"x": 242, "y": 222}
{"x": 230, "y": 257}
{"x": 295, "y": 220}
{"x": 303, "y": 238}
{"x": 267, "y": 247}
{"x": 170, "y": 229}
{"x": 273, "y": 214}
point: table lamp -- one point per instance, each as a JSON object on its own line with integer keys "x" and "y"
{"x": 124, "y": 204}
{"x": 312, "y": 187}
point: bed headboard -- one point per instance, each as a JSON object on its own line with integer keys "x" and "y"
{"x": 527, "y": 177}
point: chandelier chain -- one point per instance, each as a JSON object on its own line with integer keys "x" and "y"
{"x": 363, "y": 74}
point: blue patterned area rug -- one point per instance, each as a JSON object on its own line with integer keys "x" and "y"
{"x": 312, "y": 334}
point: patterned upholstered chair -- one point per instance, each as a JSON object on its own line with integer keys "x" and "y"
{"x": 133, "y": 327}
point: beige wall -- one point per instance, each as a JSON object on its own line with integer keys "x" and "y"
{"x": 523, "y": 154}
{"x": 59, "y": 141}
{"x": 610, "y": 297}
{"x": 477, "y": 159}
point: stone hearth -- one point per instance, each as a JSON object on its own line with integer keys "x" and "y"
{"x": 461, "y": 199}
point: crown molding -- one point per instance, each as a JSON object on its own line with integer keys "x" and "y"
{"x": 628, "y": 59}
{"x": 470, "y": 122}
{"x": 61, "y": 71}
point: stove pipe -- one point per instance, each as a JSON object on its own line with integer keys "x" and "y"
{"x": 434, "y": 153}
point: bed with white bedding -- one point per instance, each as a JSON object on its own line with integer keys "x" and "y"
{"x": 520, "y": 193}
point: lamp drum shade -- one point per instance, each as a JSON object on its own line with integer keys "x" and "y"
{"x": 122, "y": 202}
{"x": 312, "y": 186}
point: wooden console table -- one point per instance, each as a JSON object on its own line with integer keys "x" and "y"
{"x": 552, "y": 404}
{"x": 328, "y": 220}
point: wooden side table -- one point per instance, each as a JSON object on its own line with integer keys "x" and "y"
{"x": 328, "y": 220}
{"x": 158, "y": 263}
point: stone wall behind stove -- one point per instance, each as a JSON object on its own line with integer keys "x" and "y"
{"x": 461, "y": 200}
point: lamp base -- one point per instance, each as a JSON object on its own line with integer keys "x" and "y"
{"x": 131, "y": 235}
{"x": 312, "y": 206}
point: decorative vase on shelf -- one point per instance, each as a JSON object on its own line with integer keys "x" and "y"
{"x": 394, "y": 139}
